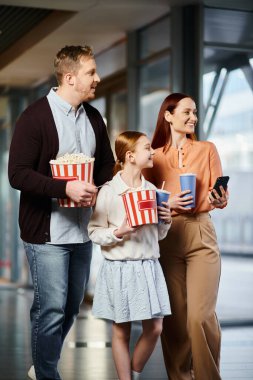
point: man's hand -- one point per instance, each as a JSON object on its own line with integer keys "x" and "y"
{"x": 81, "y": 192}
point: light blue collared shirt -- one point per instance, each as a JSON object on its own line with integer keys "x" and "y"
{"x": 76, "y": 135}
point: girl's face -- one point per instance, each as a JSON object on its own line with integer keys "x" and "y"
{"x": 143, "y": 153}
{"x": 184, "y": 118}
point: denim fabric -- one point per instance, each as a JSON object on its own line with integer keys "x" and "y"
{"x": 60, "y": 274}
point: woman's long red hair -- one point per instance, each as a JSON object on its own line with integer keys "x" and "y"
{"x": 162, "y": 134}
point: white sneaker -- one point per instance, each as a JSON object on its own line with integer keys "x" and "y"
{"x": 31, "y": 373}
{"x": 136, "y": 375}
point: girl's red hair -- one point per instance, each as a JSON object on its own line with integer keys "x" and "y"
{"x": 125, "y": 142}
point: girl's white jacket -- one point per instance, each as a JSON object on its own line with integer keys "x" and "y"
{"x": 109, "y": 214}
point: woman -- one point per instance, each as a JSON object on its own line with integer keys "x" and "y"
{"x": 189, "y": 254}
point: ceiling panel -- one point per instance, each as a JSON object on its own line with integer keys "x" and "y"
{"x": 35, "y": 31}
{"x": 228, "y": 26}
{"x": 15, "y": 22}
{"x": 97, "y": 23}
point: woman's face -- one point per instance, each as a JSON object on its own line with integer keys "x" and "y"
{"x": 184, "y": 118}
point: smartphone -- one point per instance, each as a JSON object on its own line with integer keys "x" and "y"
{"x": 220, "y": 181}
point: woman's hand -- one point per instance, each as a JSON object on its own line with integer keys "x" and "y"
{"x": 164, "y": 213}
{"x": 217, "y": 201}
{"x": 178, "y": 203}
{"x": 124, "y": 229}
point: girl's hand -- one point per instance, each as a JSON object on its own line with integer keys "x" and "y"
{"x": 217, "y": 201}
{"x": 164, "y": 212}
{"x": 124, "y": 229}
{"x": 177, "y": 202}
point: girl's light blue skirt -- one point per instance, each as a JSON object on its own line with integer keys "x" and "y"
{"x": 130, "y": 291}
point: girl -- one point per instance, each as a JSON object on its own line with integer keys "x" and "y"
{"x": 130, "y": 284}
{"x": 190, "y": 255}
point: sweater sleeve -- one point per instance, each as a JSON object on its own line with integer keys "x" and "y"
{"x": 98, "y": 228}
{"x": 27, "y": 152}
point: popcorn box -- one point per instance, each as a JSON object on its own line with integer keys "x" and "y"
{"x": 141, "y": 207}
{"x": 71, "y": 172}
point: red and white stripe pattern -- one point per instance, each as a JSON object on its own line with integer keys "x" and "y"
{"x": 71, "y": 172}
{"x": 141, "y": 207}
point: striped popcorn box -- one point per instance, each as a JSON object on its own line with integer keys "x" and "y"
{"x": 71, "y": 172}
{"x": 141, "y": 207}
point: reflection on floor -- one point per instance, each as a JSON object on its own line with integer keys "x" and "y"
{"x": 87, "y": 351}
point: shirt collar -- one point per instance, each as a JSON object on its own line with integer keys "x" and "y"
{"x": 121, "y": 187}
{"x": 61, "y": 103}
{"x": 184, "y": 146}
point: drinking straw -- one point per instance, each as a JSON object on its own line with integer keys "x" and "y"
{"x": 163, "y": 185}
{"x": 98, "y": 187}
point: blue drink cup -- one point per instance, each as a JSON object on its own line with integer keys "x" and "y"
{"x": 161, "y": 196}
{"x": 188, "y": 182}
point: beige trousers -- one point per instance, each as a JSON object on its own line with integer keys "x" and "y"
{"x": 191, "y": 263}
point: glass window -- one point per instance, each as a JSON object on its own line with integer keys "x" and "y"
{"x": 154, "y": 87}
{"x": 113, "y": 109}
{"x": 9, "y": 259}
{"x": 155, "y": 37}
{"x": 208, "y": 78}
{"x": 118, "y": 114}
{"x": 232, "y": 127}
{"x": 229, "y": 115}
{"x": 111, "y": 60}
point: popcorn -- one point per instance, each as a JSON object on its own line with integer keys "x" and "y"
{"x": 73, "y": 158}
{"x": 75, "y": 166}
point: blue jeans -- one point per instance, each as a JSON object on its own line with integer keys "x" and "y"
{"x": 60, "y": 274}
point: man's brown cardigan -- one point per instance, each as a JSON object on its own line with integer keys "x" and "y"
{"x": 34, "y": 143}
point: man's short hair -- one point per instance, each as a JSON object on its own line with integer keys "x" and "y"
{"x": 68, "y": 60}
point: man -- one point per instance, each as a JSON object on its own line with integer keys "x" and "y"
{"x": 55, "y": 239}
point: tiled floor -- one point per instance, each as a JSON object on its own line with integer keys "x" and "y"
{"x": 87, "y": 350}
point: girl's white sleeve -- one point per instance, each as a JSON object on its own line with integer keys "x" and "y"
{"x": 163, "y": 229}
{"x": 98, "y": 228}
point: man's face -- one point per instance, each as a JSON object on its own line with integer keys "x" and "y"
{"x": 86, "y": 79}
